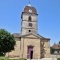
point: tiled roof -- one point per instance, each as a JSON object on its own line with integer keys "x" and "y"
{"x": 16, "y": 34}
{"x": 56, "y": 46}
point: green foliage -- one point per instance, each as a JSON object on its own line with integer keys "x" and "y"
{"x": 51, "y": 50}
{"x": 23, "y": 59}
{"x": 59, "y": 42}
{"x": 58, "y": 58}
{"x": 7, "y": 41}
{"x": 6, "y": 58}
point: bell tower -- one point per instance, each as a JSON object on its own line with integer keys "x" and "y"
{"x": 29, "y": 20}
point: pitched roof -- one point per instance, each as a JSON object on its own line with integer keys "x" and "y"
{"x": 16, "y": 34}
{"x": 56, "y": 46}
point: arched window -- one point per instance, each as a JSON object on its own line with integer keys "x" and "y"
{"x": 29, "y": 19}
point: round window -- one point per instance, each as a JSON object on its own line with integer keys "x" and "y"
{"x": 29, "y": 30}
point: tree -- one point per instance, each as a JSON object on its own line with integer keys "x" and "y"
{"x": 7, "y": 41}
{"x": 51, "y": 50}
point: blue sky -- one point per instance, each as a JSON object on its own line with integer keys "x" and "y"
{"x": 48, "y": 16}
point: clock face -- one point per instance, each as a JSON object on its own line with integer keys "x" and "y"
{"x": 30, "y": 10}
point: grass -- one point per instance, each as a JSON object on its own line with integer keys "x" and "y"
{"x": 6, "y": 58}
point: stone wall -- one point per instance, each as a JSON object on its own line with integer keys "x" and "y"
{"x": 16, "y": 51}
{"x": 30, "y": 40}
{"x": 55, "y": 56}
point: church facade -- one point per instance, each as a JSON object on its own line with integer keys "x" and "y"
{"x": 29, "y": 44}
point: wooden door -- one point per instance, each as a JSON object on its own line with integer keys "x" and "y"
{"x": 30, "y": 52}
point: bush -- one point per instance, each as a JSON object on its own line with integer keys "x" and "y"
{"x": 58, "y": 58}
{"x": 23, "y": 59}
{"x": 51, "y": 50}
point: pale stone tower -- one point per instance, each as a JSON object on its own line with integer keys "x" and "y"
{"x": 29, "y": 20}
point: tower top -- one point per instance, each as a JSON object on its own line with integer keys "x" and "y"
{"x": 29, "y": 20}
{"x": 30, "y": 9}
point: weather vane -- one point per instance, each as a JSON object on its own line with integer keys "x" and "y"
{"x": 29, "y": 1}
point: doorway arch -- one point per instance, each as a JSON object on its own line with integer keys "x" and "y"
{"x": 30, "y": 52}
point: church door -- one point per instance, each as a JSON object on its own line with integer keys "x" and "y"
{"x": 30, "y": 52}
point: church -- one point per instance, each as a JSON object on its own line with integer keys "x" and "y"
{"x": 29, "y": 44}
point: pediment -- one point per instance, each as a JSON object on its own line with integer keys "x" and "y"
{"x": 34, "y": 35}
{"x": 31, "y": 35}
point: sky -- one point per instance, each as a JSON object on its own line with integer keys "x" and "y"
{"x": 48, "y": 17}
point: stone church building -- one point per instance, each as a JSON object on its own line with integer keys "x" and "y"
{"x": 29, "y": 44}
